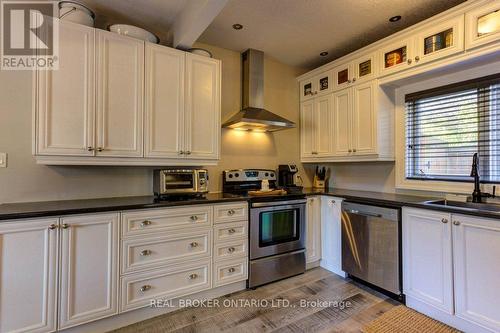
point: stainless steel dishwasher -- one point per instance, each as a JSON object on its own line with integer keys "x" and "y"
{"x": 370, "y": 245}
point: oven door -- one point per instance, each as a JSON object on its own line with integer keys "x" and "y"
{"x": 276, "y": 227}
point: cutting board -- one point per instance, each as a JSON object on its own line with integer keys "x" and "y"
{"x": 262, "y": 193}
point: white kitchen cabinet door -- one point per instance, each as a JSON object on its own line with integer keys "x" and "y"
{"x": 440, "y": 40}
{"x": 427, "y": 258}
{"x": 343, "y": 75}
{"x": 202, "y": 117}
{"x": 365, "y": 68}
{"x": 28, "y": 279}
{"x": 89, "y": 268}
{"x": 364, "y": 120}
{"x": 342, "y": 105}
{"x": 307, "y": 131}
{"x": 65, "y": 105}
{"x": 331, "y": 231}
{"x": 396, "y": 56}
{"x": 476, "y": 253}
{"x": 313, "y": 229}
{"x": 323, "y": 125}
{"x": 120, "y": 89}
{"x": 482, "y": 24}
{"x": 164, "y": 105}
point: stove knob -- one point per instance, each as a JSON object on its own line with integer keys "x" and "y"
{"x": 236, "y": 175}
{"x": 267, "y": 174}
{"x": 230, "y": 176}
{"x": 272, "y": 175}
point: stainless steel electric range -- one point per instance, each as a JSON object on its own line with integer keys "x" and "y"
{"x": 277, "y": 227}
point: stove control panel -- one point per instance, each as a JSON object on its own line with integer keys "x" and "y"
{"x": 245, "y": 175}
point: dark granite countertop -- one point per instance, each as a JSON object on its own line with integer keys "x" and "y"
{"x": 67, "y": 207}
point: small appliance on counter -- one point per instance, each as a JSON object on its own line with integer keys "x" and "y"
{"x": 168, "y": 183}
{"x": 319, "y": 182}
{"x": 286, "y": 178}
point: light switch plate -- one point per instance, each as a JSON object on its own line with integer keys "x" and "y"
{"x": 3, "y": 160}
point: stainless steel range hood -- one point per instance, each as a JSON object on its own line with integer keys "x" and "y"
{"x": 253, "y": 116}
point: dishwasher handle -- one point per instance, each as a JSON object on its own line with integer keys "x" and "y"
{"x": 357, "y": 212}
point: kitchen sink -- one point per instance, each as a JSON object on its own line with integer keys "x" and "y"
{"x": 469, "y": 206}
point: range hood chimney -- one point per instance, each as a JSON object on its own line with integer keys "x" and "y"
{"x": 253, "y": 116}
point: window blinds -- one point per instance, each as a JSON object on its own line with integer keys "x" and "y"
{"x": 445, "y": 126}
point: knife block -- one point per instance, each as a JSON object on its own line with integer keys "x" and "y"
{"x": 318, "y": 184}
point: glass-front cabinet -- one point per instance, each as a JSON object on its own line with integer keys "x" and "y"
{"x": 319, "y": 85}
{"x": 482, "y": 24}
{"x": 440, "y": 40}
{"x": 342, "y": 76}
{"x": 364, "y": 68}
{"x": 396, "y": 56}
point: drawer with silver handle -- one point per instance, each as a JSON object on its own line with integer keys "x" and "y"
{"x": 139, "y": 288}
{"x": 228, "y": 250}
{"x": 230, "y": 271}
{"x": 161, "y": 250}
{"x": 230, "y": 231}
{"x": 237, "y": 211}
{"x": 165, "y": 219}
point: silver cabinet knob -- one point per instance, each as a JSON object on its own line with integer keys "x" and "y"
{"x": 52, "y": 226}
{"x": 194, "y": 244}
{"x": 182, "y": 152}
{"x": 145, "y": 288}
{"x": 100, "y": 149}
{"x": 231, "y": 231}
{"x": 145, "y": 223}
{"x": 456, "y": 222}
{"x": 444, "y": 220}
{"x": 188, "y": 152}
{"x": 350, "y": 150}
{"x": 146, "y": 253}
{"x": 354, "y": 150}
{"x": 417, "y": 58}
{"x": 90, "y": 148}
{"x": 192, "y": 276}
{"x": 333, "y": 201}
{"x": 194, "y": 218}
{"x": 231, "y": 270}
{"x": 349, "y": 81}
{"x": 231, "y": 249}
{"x": 230, "y": 212}
{"x": 353, "y": 79}
{"x": 65, "y": 226}
{"x": 409, "y": 61}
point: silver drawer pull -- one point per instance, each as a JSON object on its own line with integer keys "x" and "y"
{"x": 194, "y": 218}
{"x": 145, "y": 223}
{"x": 231, "y": 249}
{"x": 230, "y": 212}
{"x": 145, "y": 288}
{"x": 52, "y": 226}
{"x": 192, "y": 276}
{"x": 444, "y": 220}
{"x": 231, "y": 270}
{"x": 193, "y": 244}
{"x": 146, "y": 252}
{"x": 231, "y": 231}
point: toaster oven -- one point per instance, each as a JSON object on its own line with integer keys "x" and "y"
{"x": 180, "y": 182}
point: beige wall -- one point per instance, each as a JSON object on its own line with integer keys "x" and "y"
{"x": 24, "y": 180}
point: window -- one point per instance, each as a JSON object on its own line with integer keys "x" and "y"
{"x": 447, "y": 125}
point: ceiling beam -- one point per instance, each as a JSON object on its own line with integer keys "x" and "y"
{"x": 193, "y": 20}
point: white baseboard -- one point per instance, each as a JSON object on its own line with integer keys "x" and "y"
{"x": 131, "y": 317}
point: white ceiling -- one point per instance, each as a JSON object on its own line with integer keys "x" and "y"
{"x": 296, "y": 31}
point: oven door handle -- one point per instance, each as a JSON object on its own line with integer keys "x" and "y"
{"x": 278, "y": 203}
{"x": 357, "y": 212}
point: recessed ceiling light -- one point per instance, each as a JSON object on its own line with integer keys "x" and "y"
{"x": 237, "y": 26}
{"x": 323, "y": 54}
{"x": 395, "y": 18}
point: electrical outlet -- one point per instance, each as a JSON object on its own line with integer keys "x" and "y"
{"x": 3, "y": 160}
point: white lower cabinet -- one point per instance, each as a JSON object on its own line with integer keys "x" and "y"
{"x": 313, "y": 229}
{"x": 28, "y": 279}
{"x": 89, "y": 268}
{"x": 331, "y": 234}
{"x": 450, "y": 268}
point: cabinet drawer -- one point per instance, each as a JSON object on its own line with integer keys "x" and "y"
{"x": 231, "y": 250}
{"x": 154, "y": 251}
{"x": 229, "y": 271}
{"x": 137, "y": 290}
{"x": 231, "y": 212}
{"x": 155, "y": 220}
{"x": 230, "y": 231}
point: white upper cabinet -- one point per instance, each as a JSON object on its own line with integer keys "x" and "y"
{"x": 476, "y": 253}
{"x": 89, "y": 268}
{"x": 320, "y": 84}
{"x": 396, "y": 56}
{"x": 65, "y": 98}
{"x": 120, "y": 81}
{"x": 28, "y": 275}
{"x": 365, "y": 68}
{"x": 343, "y": 75}
{"x": 316, "y": 127}
{"x": 427, "y": 258}
{"x": 342, "y": 106}
{"x": 482, "y": 24}
{"x": 440, "y": 40}
{"x": 202, "y": 115}
{"x": 364, "y": 120}
{"x": 164, "y": 102}
{"x": 307, "y": 129}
